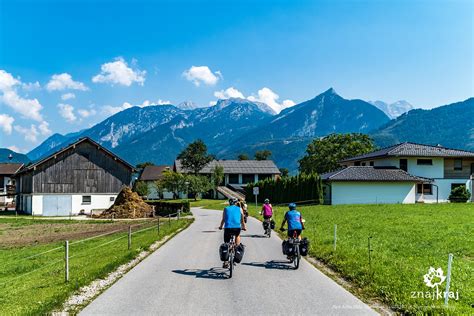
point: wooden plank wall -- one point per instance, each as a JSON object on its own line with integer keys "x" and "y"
{"x": 84, "y": 169}
{"x": 450, "y": 173}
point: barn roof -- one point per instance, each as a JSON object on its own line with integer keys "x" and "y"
{"x": 369, "y": 173}
{"x": 152, "y": 173}
{"x": 9, "y": 168}
{"x": 237, "y": 166}
{"x": 413, "y": 150}
{"x": 79, "y": 141}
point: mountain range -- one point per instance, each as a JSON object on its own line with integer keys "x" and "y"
{"x": 393, "y": 110}
{"x": 234, "y": 126}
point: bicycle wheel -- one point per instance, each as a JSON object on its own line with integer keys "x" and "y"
{"x": 297, "y": 257}
{"x": 231, "y": 264}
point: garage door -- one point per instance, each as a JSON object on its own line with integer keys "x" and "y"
{"x": 57, "y": 205}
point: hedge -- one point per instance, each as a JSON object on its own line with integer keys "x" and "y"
{"x": 304, "y": 187}
{"x": 164, "y": 208}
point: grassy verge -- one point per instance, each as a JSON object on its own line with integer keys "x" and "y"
{"x": 35, "y": 285}
{"x": 210, "y": 204}
{"x": 406, "y": 240}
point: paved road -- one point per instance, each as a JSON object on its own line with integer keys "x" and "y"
{"x": 185, "y": 277}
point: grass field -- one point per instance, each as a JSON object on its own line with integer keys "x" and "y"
{"x": 406, "y": 241}
{"x": 32, "y": 285}
{"x": 209, "y": 204}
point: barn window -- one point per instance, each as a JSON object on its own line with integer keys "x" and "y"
{"x": 372, "y": 163}
{"x": 457, "y": 164}
{"x": 112, "y": 199}
{"x": 86, "y": 199}
{"x": 424, "y": 162}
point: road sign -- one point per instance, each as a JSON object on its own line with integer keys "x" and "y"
{"x": 256, "y": 190}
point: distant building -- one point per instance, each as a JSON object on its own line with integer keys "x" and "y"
{"x": 7, "y": 184}
{"x": 403, "y": 173}
{"x": 150, "y": 175}
{"x": 79, "y": 178}
{"x": 237, "y": 173}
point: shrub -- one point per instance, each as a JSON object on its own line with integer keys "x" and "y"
{"x": 459, "y": 194}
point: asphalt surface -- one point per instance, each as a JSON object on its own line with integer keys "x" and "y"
{"x": 185, "y": 277}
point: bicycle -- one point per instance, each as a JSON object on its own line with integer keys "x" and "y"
{"x": 267, "y": 227}
{"x": 232, "y": 247}
{"x": 295, "y": 257}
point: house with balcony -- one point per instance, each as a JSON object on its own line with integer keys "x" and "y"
{"x": 403, "y": 173}
{"x": 7, "y": 183}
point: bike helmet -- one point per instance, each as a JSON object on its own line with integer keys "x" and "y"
{"x": 292, "y": 206}
{"x": 233, "y": 201}
{"x": 267, "y": 201}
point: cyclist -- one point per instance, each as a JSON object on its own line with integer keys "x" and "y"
{"x": 295, "y": 221}
{"x": 267, "y": 210}
{"x": 244, "y": 208}
{"x": 232, "y": 222}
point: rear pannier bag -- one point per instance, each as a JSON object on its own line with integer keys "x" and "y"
{"x": 288, "y": 248}
{"x": 265, "y": 224}
{"x": 224, "y": 252}
{"x": 304, "y": 246}
{"x": 272, "y": 224}
{"x": 239, "y": 253}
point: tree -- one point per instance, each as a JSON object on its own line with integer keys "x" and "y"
{"x": 195, "y": 156}
{"x": 263, "y": 154}
{"x": 323, "y": 154}
{"x": 217, "y": 176}
{"x": 142, "y": 165}
{"x": 284, "y": 172}
{"x": 243, "y": 157}
{"x": 174, "y": 182}
{"x": 141, "y": 188}
{"x": 198, "y": 185}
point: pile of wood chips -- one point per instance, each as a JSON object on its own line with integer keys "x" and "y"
{"x": 128, "y": 204}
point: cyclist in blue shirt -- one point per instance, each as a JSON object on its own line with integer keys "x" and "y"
{"x": 232, "y": 221}
{"x": 295, "y": 221}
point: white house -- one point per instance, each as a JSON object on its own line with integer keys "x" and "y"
{"x": 7, "y": 183}
{"x": 403, "y": 173}
{"x": 79, "y": 178}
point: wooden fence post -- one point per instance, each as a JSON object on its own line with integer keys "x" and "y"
{"x": 129, "y": 237}
{"x": 66, "y": 260}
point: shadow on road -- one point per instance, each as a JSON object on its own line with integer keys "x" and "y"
{"x": 213, "y": 273}
{"x": 253, "y": 236}
{"x": 279, "y": 265}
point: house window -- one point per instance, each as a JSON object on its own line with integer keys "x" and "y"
{"x": 424, "y": 162}
{"x": 86, "y": 199}
{"x": 248, "y": 178}
{"x": 357, "y": 163}
{"x": 456, "y": 185}
{"x": 457, "y": 164}
{"x": 264, "y": 176}
{"x": 233, "y": 178}
{"x": 371, "y": 163}
{"x": 404, "y": 164}
{"x": 363, "y": 164}
{"x": 424, "y": 188}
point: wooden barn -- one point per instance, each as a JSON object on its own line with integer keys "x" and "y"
{"x": 79, "y": 178}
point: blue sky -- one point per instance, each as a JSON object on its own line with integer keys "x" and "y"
{"x": 51, "y": 54}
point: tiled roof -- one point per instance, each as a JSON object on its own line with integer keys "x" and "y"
{"x": 9, "y": 168}
{"x": 238, "y": 166}
{"x": 357, "y": 173}
{"x": 414, "y": 150}
{"x": 152, "y": 173}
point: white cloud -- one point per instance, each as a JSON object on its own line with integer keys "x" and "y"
{"x": 84, "y": 113}
{"x": 68, "y": 96}
{"x": 267, "y": 96}
{"x": 111, "y": 110}
{"x": 29, "y": 108}
{"x": 64, "y": 81}
{"x": 229, "y": 93}
{"x": 118, "y": 72}
{"x": 264, "y": 95}
{"x": 15, "y": 149}
{"x": 30, "y": 134}
{"x": 67, "y": 112}
{"x": 44, "y": 128}
{"x": 6, "y": 123}
{"x": 202, "y": 74}
{"x": 31, "y": 86}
